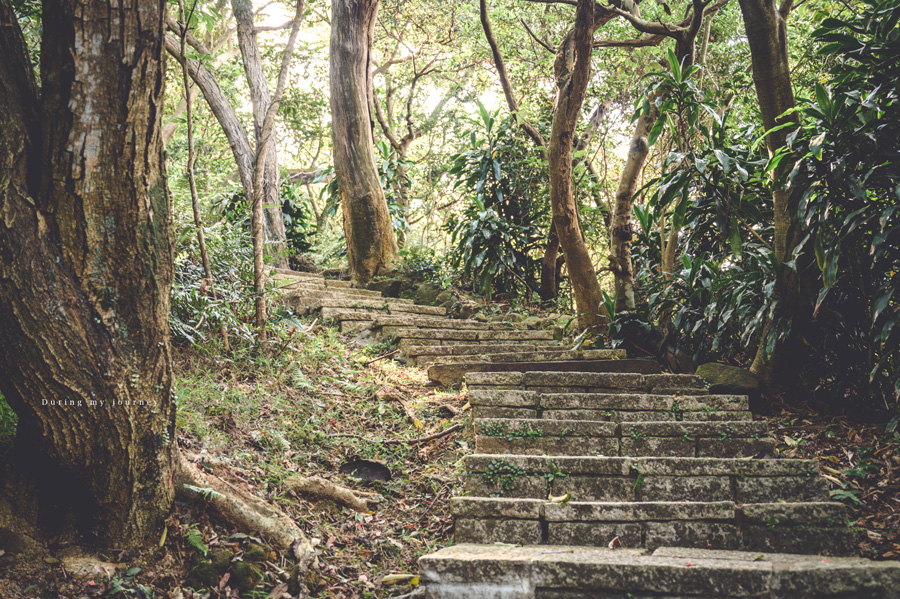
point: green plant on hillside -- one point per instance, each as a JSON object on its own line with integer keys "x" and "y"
{"x": 496, "y": 237}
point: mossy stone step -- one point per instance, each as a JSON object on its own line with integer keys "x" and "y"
{"x": 304, "y": 292}
{"x": 607, "y": 407}
{"x": 485, "y": 345}
{"x": 645, "y": 478}
{"x": 385, "y": 306}
{"x": 587, "y": 382}
{"x": 454, "y": 373}
{"x": 427, "y": 352}
{"x": 294, "y": 274}
{"x": 471, "y": 335}
{"x": 545, "y": 572}
{"x": 779, "y": 527}
{"x": 542, "y": 355}
{"x": 736, "y": 439}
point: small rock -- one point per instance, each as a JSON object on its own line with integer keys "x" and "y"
{"x": 370, "y": 470}
{"x": 388, "y": 287}
{"x": 12, "y": 541}
{"x": 533, "y": 322}
{"x": 89, "y": 567}
{"x": 245, "y": 576}
{"x": 427, "y": 293}
{"x": 724, "y": 379}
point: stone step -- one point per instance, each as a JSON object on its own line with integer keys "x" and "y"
{"x": 587, "y": 382}
{"x": 607, "y": 407}
{"x": 426, "y": 353}
{"x": 736, "y": 439}
{"x": 454, "y": 373}
{"x": 544, "y": 572}
{"x": 382, "y": 305}
{"x": 775, "y": 527}
{"x": 486, "y": 345}
{"x": 294, "y": 274}
{"x": 542, "y": 355}
{"x": 390, "y": 324}
{"x": 644, "y": 479}
{"x": 313, "y": 293}
{"x": 416, "y": 335}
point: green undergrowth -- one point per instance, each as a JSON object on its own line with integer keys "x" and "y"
{"x": 8, "y": 422}
{"x": 309, "y": 403}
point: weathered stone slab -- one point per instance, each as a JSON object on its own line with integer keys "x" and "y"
{"x": 597, "y": 534}
{"x": 683, "y": 488}
{"x": 503, "y": 397}
{"x": 387, "y": 306}
{"x": 793, "y": 488}
{"x": 638, "y": 511}
{"x": 493, "y": 379}
{"x": 547, "y": 428}
{"x": 721, "y": 467}
{"x": 452, "y": 373}
{"x": 718, "y": 535}
{"x": 492, "y": 530}
{"x": 501, "y": 507}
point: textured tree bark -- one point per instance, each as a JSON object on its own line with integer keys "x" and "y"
{"x": 86, "y": 254}
{"x": 621, "y": 231}
{"x": 371, "y": 243}
{"x": 572, "y": 70}
{"x": 766, "y": 28}
{"x": 259, "y": 97}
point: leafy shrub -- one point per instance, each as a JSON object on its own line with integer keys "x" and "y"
{"x": 846, "y": 187}
{"x": 194, "y": 310}
{"x": 497, "y": 236}
{"x": 299, "y": 222}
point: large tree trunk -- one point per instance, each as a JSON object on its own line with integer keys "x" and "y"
{"x": 86, "y": 254}
{"x": 766, "y": 28}
{"x": 273, "y": 224}
{"x": 572, "y": 69}
{"x": 371, "y": 243}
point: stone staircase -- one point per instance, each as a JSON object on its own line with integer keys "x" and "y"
{"x": 427, "y": 336}
{"x": 627, "y": 485}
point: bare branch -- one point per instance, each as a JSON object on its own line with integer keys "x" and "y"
{"x": 259, "y": 28}
{"x": 540, "y": 42}
{"x": 511, "y": 103}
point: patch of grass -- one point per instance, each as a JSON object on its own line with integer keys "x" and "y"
{"x": 305, "y": 404}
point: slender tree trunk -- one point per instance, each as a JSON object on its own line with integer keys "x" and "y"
{"x": 86, "y": 266}
{"x": 572, "y": 69}
{"x": 192, "y": 181}
{"x": 621, "y": 232}
{"x": 766, "y": 28}
{"x": 371, "y": 243}
{"x": 549, "y": 283}
{"x": 549, "y": 269}
{"x": 273, "y": 223}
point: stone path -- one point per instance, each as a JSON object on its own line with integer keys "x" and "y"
{"x": 642, "y": 486}
{"x": 599, "y": 477}
{"x": 427, "y": 336}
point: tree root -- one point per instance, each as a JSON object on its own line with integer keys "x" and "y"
{"x": 319, "y": 488}
{"x": 242, "y": 509}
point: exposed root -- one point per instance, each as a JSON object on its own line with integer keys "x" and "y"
{"x": 318, "y": 488}
{"x": 242, "y": 509}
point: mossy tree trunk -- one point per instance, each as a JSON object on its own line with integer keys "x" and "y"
{"x": 86, "y": 260}
{"x": 766, "y": 26}
{"x": 572, "y": 70}
{"x": 371, "y": 242}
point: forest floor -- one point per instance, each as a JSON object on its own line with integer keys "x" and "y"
{"x": 312, "y": 402}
